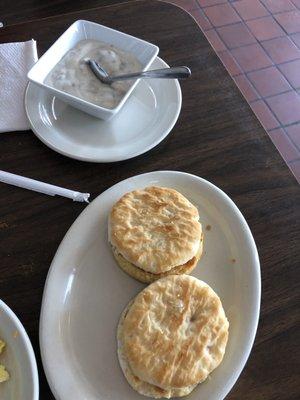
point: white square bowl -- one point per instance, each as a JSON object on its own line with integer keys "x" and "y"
{"x": 81, "y": 30}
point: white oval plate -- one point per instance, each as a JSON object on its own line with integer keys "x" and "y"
{"x": 145, "y": 120}
{"x": 18, "y": 358}
{"x": 86, "y": 291}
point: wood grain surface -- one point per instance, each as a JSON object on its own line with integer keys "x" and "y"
{"x": 216, "y": 137}
{"x": 16, "y": 11}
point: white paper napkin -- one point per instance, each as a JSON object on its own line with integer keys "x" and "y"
{"x": 16, "y": 59}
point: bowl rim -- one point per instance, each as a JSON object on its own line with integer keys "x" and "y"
{"x": 77, "y": 99}
{"x": 27, "y": 347}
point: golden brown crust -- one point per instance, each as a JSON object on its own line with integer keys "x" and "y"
{"x": 144, "y": 388}
{"x": 148, "y": 277}
{"x": 175, "y": 332}
{"x": 155, "y": 229}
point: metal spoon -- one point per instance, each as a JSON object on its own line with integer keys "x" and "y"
{"x": 167, "y": 73}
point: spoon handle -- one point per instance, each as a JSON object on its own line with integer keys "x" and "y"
{"x": 167, "y": 73}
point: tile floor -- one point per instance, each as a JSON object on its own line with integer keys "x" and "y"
{"x": 258, "y": 42}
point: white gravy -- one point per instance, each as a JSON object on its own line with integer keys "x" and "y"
{"x": 72, "y": 75}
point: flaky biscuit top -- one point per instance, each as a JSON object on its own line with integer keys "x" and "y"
{"x": 175, "y": 332}
{"x": 155, "y": 228}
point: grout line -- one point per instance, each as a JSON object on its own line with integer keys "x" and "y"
{"x": 259, "y": 97}
{"x": 271, "y": 111}
{"x": 283, "y": 76}
{"x": 292, "y": 124}
{"x": 287, "y": 79}
{"x": 282, "y": 126}
{"x": 294, "y": 143}
{"x": 287, "y": 135}
{"x": 244, "y": 73}
{"x": 267, "y": 52}
{"x": 260, "y": 69}
{"x": 251, "y": 19}
{"x": 288, "y": 139}
{"x": 278, "y": 37}
{"x": 291, "y": 161}
{"x": 273, "y": 129}
{"x": 277, "y": 94}
{"x": 198, "y": 7}
{"x": 287, "y": 62}
{"x": 237, "y": 47}
{"x": 294, "y": 161}
{"x": 259, "y": 43}
{"x": 282, "y": 12}
{"x": 293, "y": 40}
{"x": 288, "y": 34}
{"x": 252, "y": 70}
{"x": 217, "y": 33}
{"x": 212, "y": 5}
{"x": 236, "y": 22}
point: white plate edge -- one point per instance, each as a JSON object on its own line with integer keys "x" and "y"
{"x": 237, "y": 368}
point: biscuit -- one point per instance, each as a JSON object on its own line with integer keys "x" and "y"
{"x": 155, "y": 229}
{"x": 142, "y": 387}
{"x": 172, "y": 336}
{"x": 148, "y": 277}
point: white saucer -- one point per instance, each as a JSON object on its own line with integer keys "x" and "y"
{"x": 145, "y": 120}
{"x": 86, "y": 291}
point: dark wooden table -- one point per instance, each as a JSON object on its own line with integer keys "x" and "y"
{"x": 217, "y": 137}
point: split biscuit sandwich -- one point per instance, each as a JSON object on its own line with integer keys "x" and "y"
{"x": 171, "y": 336}
{"x": 155, "y": 232}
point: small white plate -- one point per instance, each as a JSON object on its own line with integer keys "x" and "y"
{"x": 86, "y": 291}
{"x": 144, "y": 51}
{"x": 18, "y": 358}
{"x": 145, "y": 120}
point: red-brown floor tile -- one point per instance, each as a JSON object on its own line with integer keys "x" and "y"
{"x": 286, "y": 107}
{"x": 236, "y": 35}
{"x": 229, "y": 62}
{"x": 214, "y": 40}
{"x": 276, "y": 6}
{"x": 265, "y": 28}
{"x": 291, "y": 71}
{"x": 295, "y": 167}
{"x": 246, "y": 88}
{"x": 281, "y": 49}
{"x": 249, "y": 9}
{"x": 201, "y": 19}
{"x": 296, "y": 39}
{"x": 251, "y": 57}
{"x": 269, "y": 81}
{"x": 222, "y": 14}
{"x": 185, "y": 4}
{"x": 265, "y": 116}
{"x": 284, "y": 145}
{"x": 297, "y": 3}
{"x": 294, "y": 133}
{"x": 207, "y": 3}
{"x": 290, "y": 21}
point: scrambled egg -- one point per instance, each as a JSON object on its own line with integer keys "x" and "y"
{"x": 2, "y": 345}
{"x": 4, "y": 375}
